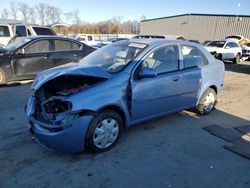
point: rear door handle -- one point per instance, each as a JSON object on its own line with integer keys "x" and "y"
{"x": 176, "y": 78}
{"x": 46, "y": 56}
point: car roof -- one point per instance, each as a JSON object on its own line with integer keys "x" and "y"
{"x": 48, "y": 36}
{"x": 157, "y": 41}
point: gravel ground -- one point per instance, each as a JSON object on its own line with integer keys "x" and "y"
{"x": 173, "y": 151}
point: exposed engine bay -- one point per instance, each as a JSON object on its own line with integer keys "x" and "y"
{"x": 51, "y": 105}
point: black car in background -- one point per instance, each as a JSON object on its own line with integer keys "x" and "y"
{"x": 26, "y": 57}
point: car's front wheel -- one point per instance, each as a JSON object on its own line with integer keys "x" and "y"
{"x": 207, "y": 102}
{"x": 104, "y": 131}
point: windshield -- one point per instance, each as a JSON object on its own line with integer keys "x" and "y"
{"x": 4, "y": 31}
{"x": 114, "y": 57}
{"x": 218, "y": 44}
{"x": 17, "y": 43}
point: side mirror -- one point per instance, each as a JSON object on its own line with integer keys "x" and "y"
{"x": 227, "y": 47}
{"x": 147, "y": 73}
{"x": 21, "y": 51}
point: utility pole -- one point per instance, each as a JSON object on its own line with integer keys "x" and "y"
{"x": 238, "y": 10}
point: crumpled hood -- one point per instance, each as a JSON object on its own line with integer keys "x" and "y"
{"x": 69, "y": 69}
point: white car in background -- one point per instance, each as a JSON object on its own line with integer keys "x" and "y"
{"x": 246, "y": 51}
{"x": 84, "y": 38}
{"x": 10, "y": 30}
{"x": 225, "y": 50}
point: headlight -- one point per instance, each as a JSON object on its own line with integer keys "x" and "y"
{"x": 29, "y": 109}
{"x": 68, "y": 119}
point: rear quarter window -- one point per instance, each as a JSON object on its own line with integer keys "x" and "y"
{"x": 4, "y": 31}
{"x": 43, "y": 31}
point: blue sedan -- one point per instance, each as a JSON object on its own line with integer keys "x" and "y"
{"x": 86, "y": 105}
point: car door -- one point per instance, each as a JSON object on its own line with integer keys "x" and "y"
{"x": 174, "y": 88}
{"x": 230, "y": 51}
{"x": 193, "y": 62}
{"x": 160, "y": 94}
{"x": 65, "y": 51}
{"x": 33, "y": 58}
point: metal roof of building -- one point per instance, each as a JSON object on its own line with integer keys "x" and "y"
{"x": 196, "y": 14}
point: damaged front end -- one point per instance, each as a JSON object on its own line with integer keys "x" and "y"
{"x": 53, "y": 124}
{"x": 51, "y": 105}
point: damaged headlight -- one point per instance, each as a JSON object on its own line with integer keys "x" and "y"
{"x": 68, "y": 119}
{"x": 56, "y": 106}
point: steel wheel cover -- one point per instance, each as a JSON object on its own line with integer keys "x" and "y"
{"x": 209, "y": 102}
{"x": 106, "y": 133}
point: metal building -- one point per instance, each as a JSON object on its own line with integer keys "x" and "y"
{"x": 198, "y": 26}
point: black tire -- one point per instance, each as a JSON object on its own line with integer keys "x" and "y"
{"x": 97, "y": 123}
{"x": 2, "y": 77}
{"x": 203, "y": 108}
{"x": 237, "y": 59}
{"x": 218, "y": 56}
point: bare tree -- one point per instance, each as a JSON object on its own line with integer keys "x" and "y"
{"x": 25, "y": 10}
{"x": 67, "y": 17}
{"x": 75, "y": 17}
{"x": 14, "y": 9}
{"x": 32, "y": 16}
{"x": 41, "y": 9}
{"x": 5, "y": 13}
{"x": 143, "y": 17}
{"x": 53, "y": 14}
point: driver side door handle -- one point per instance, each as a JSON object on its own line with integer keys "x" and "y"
{"x": 176, "y": 78}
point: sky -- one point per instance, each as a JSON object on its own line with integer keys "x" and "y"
{"x": 99, "y": 10}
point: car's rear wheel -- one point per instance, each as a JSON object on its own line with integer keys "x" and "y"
{"x": 207, "y": 101}
{"x": 2, "y": 77}
{"x": 237, "y": 59}
{"x": 104, "y": 131}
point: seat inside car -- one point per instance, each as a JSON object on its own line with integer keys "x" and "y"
{"x": 168, "y": 61}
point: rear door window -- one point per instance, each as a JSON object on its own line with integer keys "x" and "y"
{"x": 38, "y": 47}
{"x": 43, "y": 31}
{"x": 90, "y": 38}
{"x": 4, "y": 31}
{"x": 63, "y": 45}
{"x": 192, "y": 56}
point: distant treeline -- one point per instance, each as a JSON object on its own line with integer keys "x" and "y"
{"x": 46, "y": 14}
